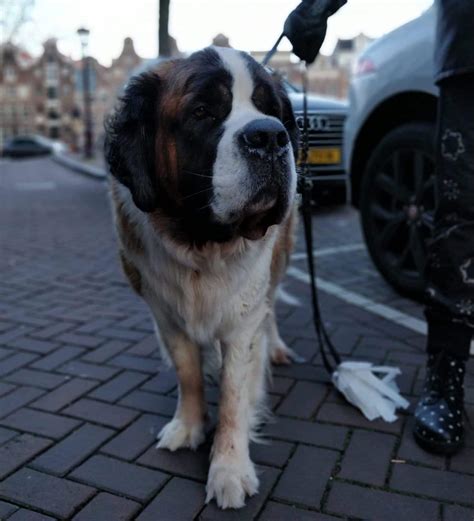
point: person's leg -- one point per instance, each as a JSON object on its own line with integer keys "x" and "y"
{"x": 450, "y": 272}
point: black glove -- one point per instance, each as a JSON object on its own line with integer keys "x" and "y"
{"x": 306, "y": 26}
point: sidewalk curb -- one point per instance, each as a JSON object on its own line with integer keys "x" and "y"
{"x": 73, "y": 164}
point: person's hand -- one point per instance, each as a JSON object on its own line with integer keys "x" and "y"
{"x": 306, "y": 26}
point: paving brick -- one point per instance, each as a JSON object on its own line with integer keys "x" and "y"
{"x": 303, "y": 400}
{"x": 5, "y": 388}
{"x": 102, "y": 413}
{"x": 85, "y": 370}
{"x": 34, "y": 345}
{"x": 15, "y": 333}
{"x": 185, "y": 463}
{"x": 57, "y": 358}
{"x": 464, "y": 462}
{"x": 36, "y": 378}
{"x": 162, "y": 383}
{"x": 136, "y": 363}
{"x": 6, "y": 509}
{"x": 136, "y": 438}
{"x": 274, "y": 453}
{"x": 299, "y": 482}
{"x": 41, "y": 423}
{"x": 455, "y": 513}
{"x": 4, "y": 352}
{"x": 93, "y": 326}
{"x": 280, "y": 385}
{"x": 18, "y": 451}
{"x": 29, "y": 515}
{"x": 118, "y": 386}
{"x": 64, "y": 395}
{"x": 268, "y": 477}
{"x": 58, "y": 497}
{"x": 357, "y": 466}
{"x": 365, "y": 503}
{"x": 307, "y": 432}
{"x": 150, "y": 402}
{"x": 119, "y": 477}
{"x": 348, "y": 415}
{"x": 18, "y": 398}
{"x": 145, "y": 347}
{"x": 105, "y": 352}
{"x": 7, "y": 365}
{"x": 169, "y": 505}
{"x": 122, "y": 334}
{"x": 52, "y": 330}
{"x": 6, "y": 434}
{"x": 302, "y": 372}
{"x": 86, "y": 341}
{"x": 278, "y": 512}
{"x": 108, "y": 507}
{"x": 434, "y": 483}
{"x": 74, "y": 449}
{"x": 410, "y": 451}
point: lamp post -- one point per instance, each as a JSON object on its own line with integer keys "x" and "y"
{"x": 88, "y": 138}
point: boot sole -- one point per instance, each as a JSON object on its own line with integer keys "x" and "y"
{"x": 438, "y": 448}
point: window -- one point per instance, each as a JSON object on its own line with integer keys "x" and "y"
{"x": 10, "y": 74}
{"x": 54, "y": 132}
{"x": 52, "y": 114}
{"x": 52, "y": 71}
{"x": 52, "y": 93}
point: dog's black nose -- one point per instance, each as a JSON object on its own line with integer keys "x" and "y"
{"x": 264, "y": 135}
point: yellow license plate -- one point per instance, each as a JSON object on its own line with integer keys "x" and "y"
{"x": 324, "y": 156}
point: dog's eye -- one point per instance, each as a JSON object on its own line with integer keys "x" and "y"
{"x": 202, "y": 113}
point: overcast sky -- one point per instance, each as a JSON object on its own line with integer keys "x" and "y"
{"x": 250, "y": 24}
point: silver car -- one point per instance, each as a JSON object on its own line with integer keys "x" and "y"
{"x": 389, "y": 149}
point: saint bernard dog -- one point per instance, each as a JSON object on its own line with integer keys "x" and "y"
{"x": 202, "y": 156}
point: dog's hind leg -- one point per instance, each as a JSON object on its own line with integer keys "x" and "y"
{"x": 187, "y": 428}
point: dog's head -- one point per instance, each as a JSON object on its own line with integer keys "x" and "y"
{"x": 209, "y": 142}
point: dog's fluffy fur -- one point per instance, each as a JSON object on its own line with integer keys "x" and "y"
{"x": 205, "y": 219}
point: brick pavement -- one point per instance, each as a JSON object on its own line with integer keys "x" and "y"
{"x": 83, "y": 391}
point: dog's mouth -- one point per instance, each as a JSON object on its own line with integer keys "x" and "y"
{"x": 264, "y": 211}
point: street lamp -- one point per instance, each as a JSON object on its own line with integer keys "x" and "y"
{"x": 83, "y": 34}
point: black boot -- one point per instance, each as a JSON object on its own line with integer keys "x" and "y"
{"x": 439, "y": 425}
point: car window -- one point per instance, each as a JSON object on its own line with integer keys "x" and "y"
{"x": 23, "y": 142}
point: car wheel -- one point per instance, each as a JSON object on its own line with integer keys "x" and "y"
{"x": 398, "y": 196}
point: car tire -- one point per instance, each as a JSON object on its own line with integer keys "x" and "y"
{"x": 397, "y": 201}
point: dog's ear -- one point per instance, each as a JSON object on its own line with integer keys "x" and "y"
{"x": 130, "y": 140}
{"x": 288, "y": 117}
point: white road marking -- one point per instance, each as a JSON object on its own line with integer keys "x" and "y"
{"x": 287, "y": 298}
{"x": 387, "y": 312}
{"x": 323, "y": 252}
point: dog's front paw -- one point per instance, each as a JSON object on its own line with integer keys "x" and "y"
{"x": 177, "y": 434}
{"x": 229, "y": 483}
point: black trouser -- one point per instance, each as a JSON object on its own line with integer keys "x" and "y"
{"x": 450, "y": 268}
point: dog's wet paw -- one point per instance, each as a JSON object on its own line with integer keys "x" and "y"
{"x": 228, "y": 484}
{"x": 178, "y": 435}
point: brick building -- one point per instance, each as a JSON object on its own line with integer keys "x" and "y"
{"x": 45, "y": 95}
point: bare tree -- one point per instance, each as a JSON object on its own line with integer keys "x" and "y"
{"x": 164, "y": 42}
{"x": 13, "y": 15}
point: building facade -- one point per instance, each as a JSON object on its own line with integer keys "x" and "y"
{"x": 45, "y": 95}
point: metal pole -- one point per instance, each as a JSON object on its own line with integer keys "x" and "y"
{"x": 88, "y": 133}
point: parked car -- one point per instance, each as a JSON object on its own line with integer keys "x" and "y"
{"x": 31, "y": 145}
{"x": 389, "y": 149}
{"x": 326, "y": 119}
